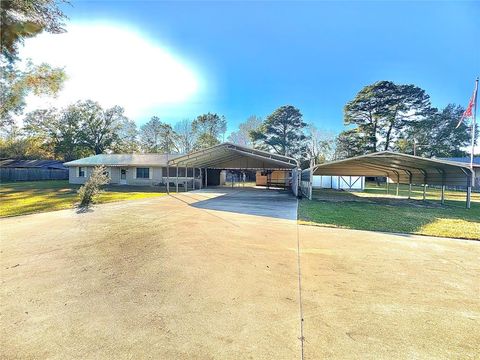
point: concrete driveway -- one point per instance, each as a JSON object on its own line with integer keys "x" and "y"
{"x": 250, "y": 201}
{"x": 207, "y": 275}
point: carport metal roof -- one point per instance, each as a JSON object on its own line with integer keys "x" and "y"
{"x": 232, "y": 156}
{"x": 401, "y": 168}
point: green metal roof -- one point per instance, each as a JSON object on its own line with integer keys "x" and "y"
{"x": 233, "y": 156}
{"x": 224, "y": 156}
{"x": 399, "y": 167}
{"x": 124, "y": 160}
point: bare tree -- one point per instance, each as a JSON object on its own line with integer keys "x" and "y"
{"x": 320, "y": 144}
{"x": 186, "y": 137}
{"x": 242, "y": 135}
{"x": 158, "y": 137}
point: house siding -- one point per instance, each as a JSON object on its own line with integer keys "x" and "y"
{"x": 156, "y": 175}
{"x": 73, "y": 177}
{"x": 114, "y": 174}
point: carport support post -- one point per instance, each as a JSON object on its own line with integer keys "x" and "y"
{"x": 168, "y": 179}
{"x": 206, "y": 177}
{"x": 424, "y": 186}
{"x": 443, "y": 187}
{"x": 469, "y": 191}
{"x": 176, "y": 183}
{"x": 193, "y": 174}
{"x": 398, "y": 183}
{"x": 409, "y": 185}
{"x": 186, "y": 178}
{"x": 310, "y": 190}
{"x": 201, "y": 178}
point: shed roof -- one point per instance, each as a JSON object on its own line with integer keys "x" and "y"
{"x": 232, "y": 156}
{"x": 124, "y": 160}
{"x": 401, "y": 167}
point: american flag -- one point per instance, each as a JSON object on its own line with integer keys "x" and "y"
{"x": 468, "y": 111}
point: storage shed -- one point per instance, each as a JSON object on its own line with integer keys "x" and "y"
{"x": 339, "y": 182}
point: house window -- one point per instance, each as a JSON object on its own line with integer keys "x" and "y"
{"x": 81, "y": 172}
{"x": 143, "y": 173}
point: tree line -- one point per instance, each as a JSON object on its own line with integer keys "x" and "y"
{"x": 382, "y": 116}
{"x": 85, "y": 128}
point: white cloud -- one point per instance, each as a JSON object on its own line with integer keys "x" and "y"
{"x": 114, "y": 66}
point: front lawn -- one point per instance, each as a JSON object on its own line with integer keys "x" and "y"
{"x": 374, "y": 210}
{"x": 20, "y": 198}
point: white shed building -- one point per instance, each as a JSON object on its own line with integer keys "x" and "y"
{"x": 338, "y": 182}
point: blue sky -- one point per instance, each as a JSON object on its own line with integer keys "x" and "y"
{"x": 251, "y": 57}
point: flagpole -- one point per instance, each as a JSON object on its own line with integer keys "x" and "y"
{"x": 474, "y": 122}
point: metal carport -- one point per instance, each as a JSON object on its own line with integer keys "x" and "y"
{"x": 232, "y": 156}
{"x": 402, "y": 169}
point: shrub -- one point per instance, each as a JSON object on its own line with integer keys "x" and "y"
{"x": 92, "y": 187}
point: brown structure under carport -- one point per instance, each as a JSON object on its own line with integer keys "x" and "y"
{"x": 402, "y": 169}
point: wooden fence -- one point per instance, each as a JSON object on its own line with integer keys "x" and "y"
{"x": 32, "y": 174}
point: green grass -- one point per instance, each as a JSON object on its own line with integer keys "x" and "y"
{"x": 374, "y": 210}
{"x": 29, "y": 197}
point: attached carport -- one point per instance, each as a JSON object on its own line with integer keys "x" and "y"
{"x": 228, "y": 156}
{"x": 402, "y": 169}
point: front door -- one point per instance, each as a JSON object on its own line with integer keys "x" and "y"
{"x": 123, "y": 176}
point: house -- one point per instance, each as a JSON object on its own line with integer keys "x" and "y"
{"x": 466, "y": 160}
{"x": 130, "y": 169}
{"x": 205, "y": 167}
{"x": 32, "y": 170}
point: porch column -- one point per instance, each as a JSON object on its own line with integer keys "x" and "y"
{"x": 186, "y": 178}
{"x": 206, "y": 177}
{"x": 201, "y": 178}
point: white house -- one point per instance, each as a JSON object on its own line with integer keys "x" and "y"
{"x": 130, "y": 169}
